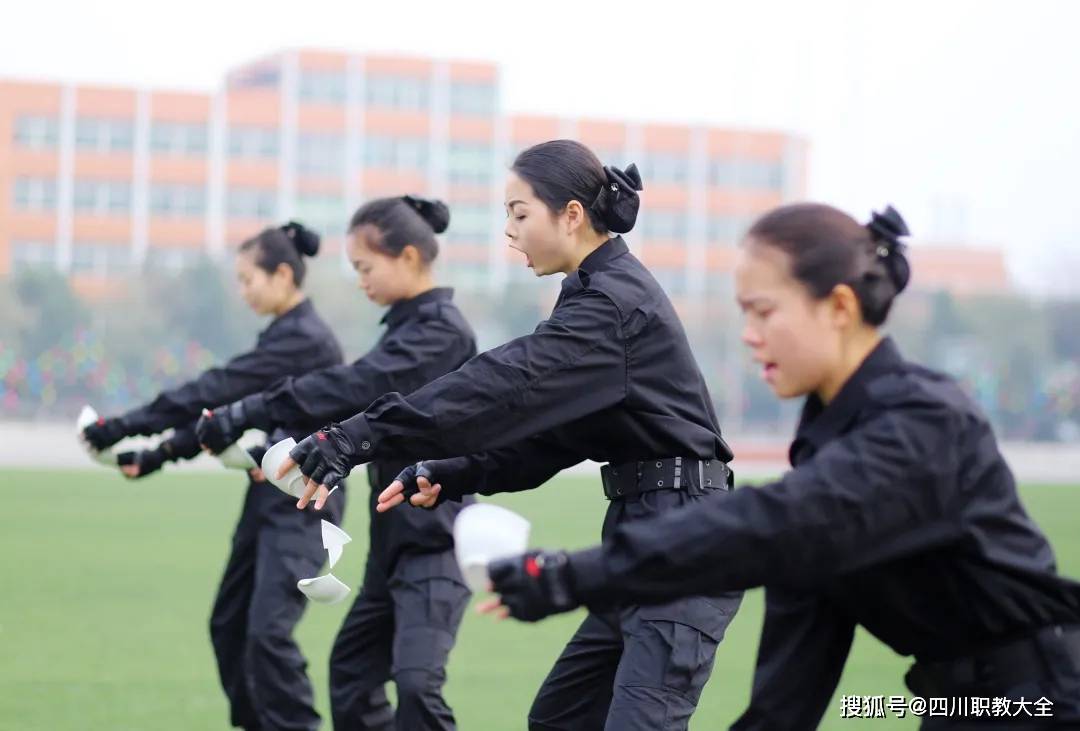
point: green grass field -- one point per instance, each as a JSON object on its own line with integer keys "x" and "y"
{"x": 107, "y": 588}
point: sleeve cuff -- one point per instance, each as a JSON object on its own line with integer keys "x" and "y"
{"x": 453, "y": 475}
{"x": 257, "y": 412}
{"x": 589, "y": 577}
{"x": 153, "y": 459}
{"x": 183, "y": 444}
{"x": 135, "y": 423}
{"x": 359, "y": 433}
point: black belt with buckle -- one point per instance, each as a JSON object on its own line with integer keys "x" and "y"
{"x": 630, "y": 479}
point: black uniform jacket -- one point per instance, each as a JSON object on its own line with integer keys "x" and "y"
{"x": 900, "y": 515}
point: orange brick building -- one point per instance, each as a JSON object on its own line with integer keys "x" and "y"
{"x": 100, "y": 182}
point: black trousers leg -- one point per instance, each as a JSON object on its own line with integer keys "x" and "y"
{"x": 667, "y": 658}
{"x": 577, "y": 692}
{"x": 276, "y": 669}
{"x": 360, "y": 660}
{"x": 429, "y": 603}
{"x": 228, "y": 620}
{"x": 642, "y": 668}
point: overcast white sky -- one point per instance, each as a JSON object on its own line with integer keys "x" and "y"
{"x": 964, "y": 114}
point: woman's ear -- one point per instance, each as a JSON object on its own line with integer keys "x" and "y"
{"x": 411, "y": 256}
{"x": 844, "y": 306}
{"x": 285, "y": 274}
{"x": 575, "y": 215}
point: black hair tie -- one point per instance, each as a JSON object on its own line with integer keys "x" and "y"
{"x": 433, "y": 211}
{"x": 290, "y": 229}
{"x": 617, "y": 202}
{"x": 886, "y": 229}
{"x": 304, "y": 239}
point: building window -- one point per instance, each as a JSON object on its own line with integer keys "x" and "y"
{"x": 326, "y": 214}
{"x": 747, "y": 174}
{"x": 727, "y": 229}
{"x": 661, "y": 167}
{"x": 34, "y": 194}
{"x": 179, "y": 139}
{"x": 36, "y": 132}
{"x": 100, "y": 259}
{"x": 613, "y": 156}
{"x": 662, "y": 225}
{"x": 102, "y": 197}
{"x": 465, "y": 275}
{"x": 470, "y": 163}
{"x": 472, "y": 99}
{"x": 177, "y": 200}
{"x": 672, "y": 280}
{"x": 763, "y": 174}
{"x": 103, "y": 134}
{"x": 257, "y": 203}
{"x": 255, "y": 76}
{"x": 163, "y": 258}
{"x": 26, "y": 255}
{"x": 396, "y": 153}
{"x": 322, "y": 86}
{"x": 320, "y": 154}
{"x": 253, "y": 142}
{"x": 469, "y": 224}
{"x": 398, "y": 92}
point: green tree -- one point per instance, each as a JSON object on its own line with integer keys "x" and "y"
{"x": 1064, "y": 323}
{"x": 201, "y": 304}
{"x": 47, "y": 310}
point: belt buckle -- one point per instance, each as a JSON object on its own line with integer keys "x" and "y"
{"x": 703, "y": 481}
{"x": 611, "y": 482}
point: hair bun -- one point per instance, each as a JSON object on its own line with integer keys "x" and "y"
{"x": 304, "y": 239}
{"x": 618, "y": 201}
{"x": 886, "y": 228}
{"x": 432, "y": 210}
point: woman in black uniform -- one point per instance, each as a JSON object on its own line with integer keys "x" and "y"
{"x": 900, "y": 514}
{"x": 610, "y": 377}
{"x": 262, "y": 669}
{"x": 404, "y": 621}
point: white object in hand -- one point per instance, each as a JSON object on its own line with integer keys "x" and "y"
{"x": 334, "y": 540}
{"x": 293, "y": 481}
{"x": 483, "y": 533}
{"x": 87, "y": 417}
{"x": 326, "y": 589}
{"x": 236, "y": 457}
